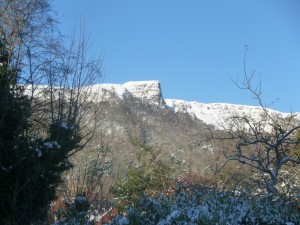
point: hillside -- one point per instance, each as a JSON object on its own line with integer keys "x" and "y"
{"x": 180, "y": 130}
{"x": 137, "y": 110}
{"x": 149, "y": 92}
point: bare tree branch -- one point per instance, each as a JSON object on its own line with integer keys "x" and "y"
{"x": 264, "y": 145}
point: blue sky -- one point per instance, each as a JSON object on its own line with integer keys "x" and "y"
{"x": 193, "y": 47}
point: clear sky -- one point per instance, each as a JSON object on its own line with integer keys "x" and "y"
{"x": 193, "y": 47}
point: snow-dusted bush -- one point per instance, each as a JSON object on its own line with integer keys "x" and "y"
{"x": 212, "y": 208}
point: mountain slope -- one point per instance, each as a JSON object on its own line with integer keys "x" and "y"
{"x": 215, "y": 114}
{"x": 179, "y": 129}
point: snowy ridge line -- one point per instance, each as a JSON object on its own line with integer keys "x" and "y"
{"x": 149, "y": 92}
{"x": 217, "y": 114}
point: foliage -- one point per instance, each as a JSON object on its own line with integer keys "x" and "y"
{"x": 74, "y": 217}
{"x": 87, "y": 180}
{"x": 88, "y": 176}
{"x": 211, "y": 208}
{"x": 295, "y": 152}
{"x": 148, "y": 175}
{"x": 37, "y": 135}
{"x": 30, "y": 166}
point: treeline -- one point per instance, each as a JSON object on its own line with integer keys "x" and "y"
{"x": 41, "y": 109}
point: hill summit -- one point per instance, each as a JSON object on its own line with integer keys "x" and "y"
{"x": 150, "y": 92}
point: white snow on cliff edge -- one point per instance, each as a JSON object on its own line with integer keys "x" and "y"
{"x": 217, "y": 114}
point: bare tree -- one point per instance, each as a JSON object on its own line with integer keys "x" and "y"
{"x": 44, "y": 96}
{"x": 266, "y": 145}
{"x": 57, "y": 79}
{"x": 69, "y": 91}
{"x": 90, "y": 178}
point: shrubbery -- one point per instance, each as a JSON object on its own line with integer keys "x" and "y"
{"x": 214, "y": 207}
{"x": 148, "y": 174}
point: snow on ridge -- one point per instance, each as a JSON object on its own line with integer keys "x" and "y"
{"x": 143, "y": 88}
{"x": 216, "y": 114}
{"x": 107, "y": 89}
{"x": 147, "y": 91}
{"x": 147, "y": 82}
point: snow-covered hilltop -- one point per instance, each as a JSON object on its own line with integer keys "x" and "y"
{"x": 215, "y": 114}
{"x": 149, "y": 92}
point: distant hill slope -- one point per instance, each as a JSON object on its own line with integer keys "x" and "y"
{"x": 215, "y": 114}
{"x": 137, "y": 110}
{"x": 177, "y": 127}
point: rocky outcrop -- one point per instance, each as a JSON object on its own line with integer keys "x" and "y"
{"x": 216, "y": 114}
{"x": 148, "y": 92}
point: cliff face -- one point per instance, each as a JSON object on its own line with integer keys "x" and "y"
{"x": 138, "y": 110}
{"x": 148, "y": 92}
{"x": 215, "y": 114}
{"x": 176, "y": 127}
